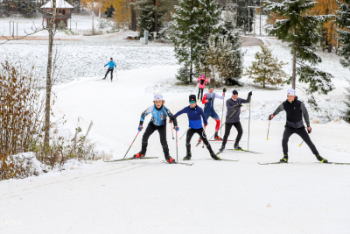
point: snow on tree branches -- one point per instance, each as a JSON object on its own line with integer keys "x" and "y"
{"x": 266, "y": 69}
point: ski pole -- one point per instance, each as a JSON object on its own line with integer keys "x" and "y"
{"x": 223, "y": 109}
{"x": 268, "y": 130}
{"x": 301, "y": 143}
{"x": 177, "y": 146}
{"x": 184, "y": 134}
{"x": 172, "y": 131}
{"x": 223, "y": 124}
{"x": 132, "y": 144}
{"x": 249, "y": 125}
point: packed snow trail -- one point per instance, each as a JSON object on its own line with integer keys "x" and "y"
{"x": 148, "y": 196}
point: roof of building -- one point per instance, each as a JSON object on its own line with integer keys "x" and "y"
{"x": 59, "y": 4}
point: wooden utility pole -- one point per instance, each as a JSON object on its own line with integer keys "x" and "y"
{"x": 133, "y": 17}
{"x": 156, "y": 17}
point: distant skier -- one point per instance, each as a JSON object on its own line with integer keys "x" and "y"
{"x": 295, "y": 110}
{"x": 158, "y": 122}
{"x": 195, "y": 115}
{"x": 111, "y": 65}
{"x": 234, "y": 105}
{"x": 201, "y": 86}
{"x": 208, "y": 101}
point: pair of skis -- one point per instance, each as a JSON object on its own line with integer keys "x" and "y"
{"x": 245, "y": 151}
{"x": 128, "y": 159}
{"x": 335, "y": 163}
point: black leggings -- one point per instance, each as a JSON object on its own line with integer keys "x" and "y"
{"x": 202, "y": 135}
{"x": 228, "y": 127}
{"x": 162, "y": 135}
{"x": 110, "y": 70}
{"x": 288, "y": 131}
{"x": 200, "y": 94}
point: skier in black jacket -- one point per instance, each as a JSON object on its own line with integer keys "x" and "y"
{"x": 295, "y": 111}
{"x": 234, "y": 105}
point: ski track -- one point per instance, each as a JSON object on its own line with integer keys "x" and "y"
{"x": 153, "y": 197}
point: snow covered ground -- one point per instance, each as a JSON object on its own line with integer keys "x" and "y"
{"x": 149, "y": 196}
{"x": 152, "y": 197}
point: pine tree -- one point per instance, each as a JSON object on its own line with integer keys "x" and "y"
{"x": 266, "y": 69}
{"x": 300, "y": 31}
{"x": 343, "y": 20}
{"x": 347, "y": 103}
{"x": 149, "y": 15}
{"x": 194, "y": 21}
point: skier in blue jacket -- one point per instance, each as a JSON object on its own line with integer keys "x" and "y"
{"x": 111, "y": 65}
{"x": 158, "y": 122}
{"x": 195, "y": 115}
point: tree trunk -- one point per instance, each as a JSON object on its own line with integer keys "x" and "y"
{"x": 133, "y": 18}
{"x": 48, "y": 78}
{"x": 156, "y": 17}
{"x": 99, "y": 17}
{"x": 294, "y": 62}
{"x": 93, "y": 19}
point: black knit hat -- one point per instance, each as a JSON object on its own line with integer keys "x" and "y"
{"x": 234, "y": 92}
{"x": 192, "y": 98}
{"x": 111, "y": 58}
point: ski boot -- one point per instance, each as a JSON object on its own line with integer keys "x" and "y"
{"x": 214, "y": 156}
{"x": 170, "y": 159}
{"x": 217, "y": 137}
{"x": 284, "y": 159}
{"x": 222, "y": 148}
{"x": 322, "y": 160}
{"x": 139, "y": 155}
{"x": 188, "y": 156}
{"x": 237, "y": 147}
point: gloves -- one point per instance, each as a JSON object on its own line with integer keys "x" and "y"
{"x": 205, "y": 125}
{"x": 239, "y": 105}
{"x": 309, "y": 129}
{"x": 271, "y": 117}
{"x": 224, "y": 90}
{"x": 140, "y": 128}
{"x": 250, "y": 93}
{"x": 209, "y": 100}
{"x": 177, "y": 128}
{"x": 170, "y": 121}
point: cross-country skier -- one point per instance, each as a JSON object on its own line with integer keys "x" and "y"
{"x": 195, "y": 115}
{"x": 158, "y": 122}
{"x": 295, "y": 111}
{"x": 234, "y": 105}
{"x": 208, "y": 101}
{"x": 201, "y": 86}
{"x": 111, "y": 65}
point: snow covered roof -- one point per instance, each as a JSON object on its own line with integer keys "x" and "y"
{"x": 59, "y": 4}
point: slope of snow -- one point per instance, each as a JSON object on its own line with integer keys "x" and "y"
{"x": 152, "y": 197}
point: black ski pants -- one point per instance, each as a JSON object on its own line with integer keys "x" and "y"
{"x": 202, "y": 135}
{"x": 228, "y": 127}
{"x": 110, "y": 70}
{"x": 288, "y": 131}
{"x": 162, "y": 135}
{"x": 200, "y": 94}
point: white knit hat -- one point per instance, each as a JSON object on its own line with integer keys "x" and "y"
{"x": 158, "y": 97}
{"x": 291, "y": 92}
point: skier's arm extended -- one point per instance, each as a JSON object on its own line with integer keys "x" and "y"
{"x": 305, "y": 114}
{"x": 245, "y": 100}
{"x": 145, "y": 113}
{"x": 278, "y": 110}
{"x": 171, "y": 116}
{"x": 115, "y": 65}
{"x": 180, "y": 112}
{"x": 219, "y": 96}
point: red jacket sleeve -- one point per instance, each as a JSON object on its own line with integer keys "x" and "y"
{"x": 204, "y": 100}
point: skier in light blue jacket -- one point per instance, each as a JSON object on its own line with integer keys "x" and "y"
{"x": 111, "y": 65}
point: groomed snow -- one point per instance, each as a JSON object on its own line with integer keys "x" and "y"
{"x": 152, "y": 197}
